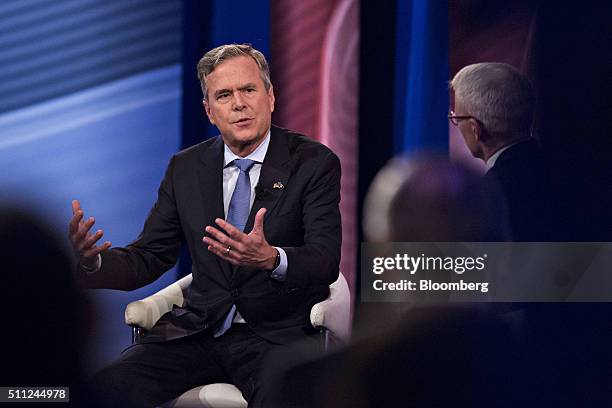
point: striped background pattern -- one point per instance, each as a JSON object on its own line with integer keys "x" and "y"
{"x": 50, "y": 48}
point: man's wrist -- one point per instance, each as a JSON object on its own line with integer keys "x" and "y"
{"x": 277, "y": 259}
{"x": 274, "y": 260}
{"x": 91, "y": 268}
{"x": 279, "y": 273}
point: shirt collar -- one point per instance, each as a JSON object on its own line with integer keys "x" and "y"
{"x": 258, "y": 155}
{"x": 491, "y": 162}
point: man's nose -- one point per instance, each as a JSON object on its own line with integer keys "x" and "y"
{"x": 238, "y": 102}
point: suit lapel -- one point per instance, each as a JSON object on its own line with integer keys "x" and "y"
{"x": 210, "y": 177}
{"x": 273, "y": 177}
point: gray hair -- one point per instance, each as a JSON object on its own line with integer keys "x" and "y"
{"x": 213, "y": 58}
{"x": 498, "y": 95}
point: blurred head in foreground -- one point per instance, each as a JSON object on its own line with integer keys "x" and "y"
{"x": 427, "y": 198}
{"x": 43, "y": 310}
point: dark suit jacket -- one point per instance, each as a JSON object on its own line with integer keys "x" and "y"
{"x": 303, "y": 218}
{"x": 524, "y": 176}
{"x": 568, "y": 343}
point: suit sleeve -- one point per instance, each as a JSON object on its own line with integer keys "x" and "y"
{"x": 154, "y": 251}
{"x": 317, "y": 261}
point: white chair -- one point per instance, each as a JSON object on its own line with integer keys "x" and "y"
{"x": 331, "y": 316}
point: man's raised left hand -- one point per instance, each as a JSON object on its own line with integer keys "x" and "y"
{"x": 242, "y": 249}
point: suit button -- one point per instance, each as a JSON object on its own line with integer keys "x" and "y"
{"x": 235, "y": 293}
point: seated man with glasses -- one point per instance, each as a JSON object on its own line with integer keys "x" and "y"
{"x": 494, "y": 109}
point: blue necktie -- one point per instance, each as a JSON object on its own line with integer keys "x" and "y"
{"x": 237, "y": 215}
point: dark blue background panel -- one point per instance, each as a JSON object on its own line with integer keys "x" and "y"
{"x": 421, "y": 75}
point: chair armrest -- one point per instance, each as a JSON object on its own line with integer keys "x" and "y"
{"x": 146, "y": 312}
{"x": 334, "y": 313}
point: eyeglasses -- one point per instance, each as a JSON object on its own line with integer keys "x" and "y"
{"x": 456, "y": 119}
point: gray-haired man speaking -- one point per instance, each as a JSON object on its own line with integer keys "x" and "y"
{"x": 258, "y": 209}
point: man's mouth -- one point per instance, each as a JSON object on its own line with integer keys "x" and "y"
{"x": 243, "y": 122}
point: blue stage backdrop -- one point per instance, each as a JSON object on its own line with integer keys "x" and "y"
{"x": 421, "y": 76}
{"x": 90, "y": 102}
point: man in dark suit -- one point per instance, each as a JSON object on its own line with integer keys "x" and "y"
{"x": 567, "y": 343}
{"x": 494, "y": 110}
{"x": 258, "y": 209}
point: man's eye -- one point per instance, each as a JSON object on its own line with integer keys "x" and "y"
{"x": 250, "y": 90}
{"x": 222, "y": 96}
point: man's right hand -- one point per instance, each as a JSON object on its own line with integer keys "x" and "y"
{"x": 83, "y": 241}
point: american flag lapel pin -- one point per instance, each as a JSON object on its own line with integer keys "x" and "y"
{"x": 278, "y": 185}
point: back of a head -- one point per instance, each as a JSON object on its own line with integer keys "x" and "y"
{"x": 43, "y": 310}
{"x": 498, "y": 95}
{"x": 428, "y": 199}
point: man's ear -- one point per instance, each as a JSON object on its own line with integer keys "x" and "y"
{"x": 271, "y": 98}
{"x": 207, "y": 111}
{"x": 476, "y": 130}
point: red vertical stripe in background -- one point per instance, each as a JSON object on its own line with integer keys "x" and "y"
{"x": 297, "y": 33}
{"x": 315, "y": 73}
